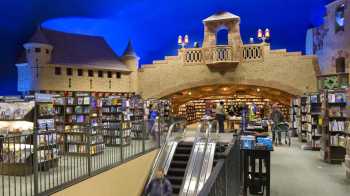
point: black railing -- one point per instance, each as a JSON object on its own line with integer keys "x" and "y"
{"x": 29, "y": 166}
{"x": 225, "y": 177}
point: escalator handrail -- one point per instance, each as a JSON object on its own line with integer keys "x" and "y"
{"x": 209, "y": 130}
{"x": 207, "y": 140}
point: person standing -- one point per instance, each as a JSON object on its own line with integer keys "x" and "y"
{"x": 276, "y": 117}
{"x": 220, "y": 116}
{"x": 159, "y": 186}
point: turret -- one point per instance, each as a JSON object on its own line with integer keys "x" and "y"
{"x": 130, "y": 57}
{"x": 38, "y": 49}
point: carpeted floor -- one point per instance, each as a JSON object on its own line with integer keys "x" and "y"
{"x": 296, "y": 172}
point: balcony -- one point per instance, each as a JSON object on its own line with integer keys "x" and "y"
{"x": 223, "y": 55}
{"x": 333, "y": 81}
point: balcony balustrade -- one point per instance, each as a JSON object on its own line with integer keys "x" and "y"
{"x": 222, "y": 54}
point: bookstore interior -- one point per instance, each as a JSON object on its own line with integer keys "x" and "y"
{"x": 42, "y": 128}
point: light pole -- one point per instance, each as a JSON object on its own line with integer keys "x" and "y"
{"x": 182, "y": 41}
{"x": 264, "y": 35}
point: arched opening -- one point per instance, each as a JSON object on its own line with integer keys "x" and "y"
{"x": 222, "y": 37}
{"x": 193, "y": 103}
{"x": 340, "y": 65}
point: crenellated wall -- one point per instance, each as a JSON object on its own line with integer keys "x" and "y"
{"x": 287, "y": 71}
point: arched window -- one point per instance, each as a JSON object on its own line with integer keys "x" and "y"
{"x": 340, "y": 65}
{"x": 222, "y": 37}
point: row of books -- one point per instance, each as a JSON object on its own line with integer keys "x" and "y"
{"x": 335, "y": 125}
{"x": 336, "y": 98}
{"x": 337, "y": 140}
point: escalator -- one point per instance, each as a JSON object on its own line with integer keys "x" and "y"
{"x": 178, "y": 165}
{"x": 188, "y": 163}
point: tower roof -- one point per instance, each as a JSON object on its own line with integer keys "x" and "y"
{"x": 129, "y": 50}
{"x": 221, "y": 16}
{"x": 39, "y": 37}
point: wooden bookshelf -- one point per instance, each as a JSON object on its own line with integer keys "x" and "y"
{"x": 335, "y": 125}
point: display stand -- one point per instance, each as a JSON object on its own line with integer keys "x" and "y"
{"x": 16, "y": 136}
{"x": 347, "y": 156}
{"x": 45, "y": 132}
{"x": 334, "y": 126}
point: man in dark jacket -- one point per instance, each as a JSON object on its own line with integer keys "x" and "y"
{"x": 160, "y": 186}
{"x": 277, "y": 118}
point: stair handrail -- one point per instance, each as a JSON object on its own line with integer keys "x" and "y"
{"x": 156, "y": 161}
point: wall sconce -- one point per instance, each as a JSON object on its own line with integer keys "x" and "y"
{"x": 264, "y": 35}
{"x": 183, "y": 41}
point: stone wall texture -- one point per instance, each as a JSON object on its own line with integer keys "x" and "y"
{"x": 288, "y": 72}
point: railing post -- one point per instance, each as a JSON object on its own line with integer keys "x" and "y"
{"x": 121, "y": 139}
{"x": 89, "y": 149}
{"x": 144, "y": 127}
{"x": 35, "y": 154}
{"x": 159, "y": 132}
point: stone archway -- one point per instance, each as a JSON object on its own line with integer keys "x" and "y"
{"x": 228, "y": 90}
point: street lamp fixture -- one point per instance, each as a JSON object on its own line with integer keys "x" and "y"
{"x": 264, "y": 35}
{"x": 183, "y": 41}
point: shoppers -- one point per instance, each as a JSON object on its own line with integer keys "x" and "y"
{"x": 276, "y": 118}
{"x": 160, "y": 186}
{"x": 220, "y": 116}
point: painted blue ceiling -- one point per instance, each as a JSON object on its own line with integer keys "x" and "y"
{"x": 153, "y": 26}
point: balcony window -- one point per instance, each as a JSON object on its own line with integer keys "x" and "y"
{"x": 340, "y": 65}
{"x": 222, "y": 37}
{"x": 37, "y": 50}
{"x": 100, "y": 74}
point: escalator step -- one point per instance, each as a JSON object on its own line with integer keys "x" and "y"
{"x": 176, "y": 189}
{"x": 178, "y": 164}
{"x": 175, "y": 180}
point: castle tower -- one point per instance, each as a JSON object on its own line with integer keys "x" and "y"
{"x": 131, "y": 59}
{"x": 35, "y": 58}
{"x": 38, "y": 49}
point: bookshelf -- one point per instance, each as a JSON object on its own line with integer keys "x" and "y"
{"x": 137, "y": 108}
{"x": 304, "y": 118}
{"x": 194, "y": 110}
{"x": 82, "y": 125}
{"x": 335, "y": 125}
{"x": 295, "y": 116}
{"x": 315, "y": 131}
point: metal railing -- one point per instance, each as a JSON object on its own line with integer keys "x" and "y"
{"x": 225, "y": 177}
{"x": 253, "y": 52}
{"x": 41, "y": 164}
